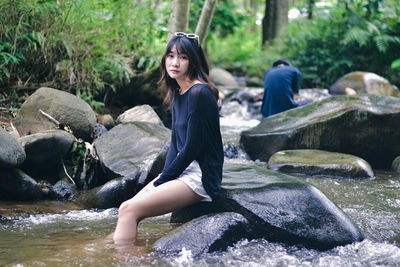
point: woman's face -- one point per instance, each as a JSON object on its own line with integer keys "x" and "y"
{"x": 176, "y": 64}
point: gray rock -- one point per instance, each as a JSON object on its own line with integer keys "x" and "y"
{"x": 280, "y": 208}
{"x": 140, "y": 113}
{"x": 318, "y": 162}
{"x": 135, "y": 150}
{"x": 364, "y": 82}
{"x": 66, "y": 108}
{"x": 109, "y": 195}
{"x": 63, "y": 190}
{"x": 17, "y": 185}
{"x": 360, "y": 125}
{"x": 11, "y": 152}
{"x": 205, "y": 234}
{"x": 222, "y": 77}
{"x": 45, "y": 150}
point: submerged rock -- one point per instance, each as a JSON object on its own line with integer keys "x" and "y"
{"x": 12, "y": 153}
{"x": 279, "y": 207}
{"x": 66, "y": 108}
{"x": 360, "y": 125}
{"x": 318, "y": 162}
{"x": 206, "y": 234}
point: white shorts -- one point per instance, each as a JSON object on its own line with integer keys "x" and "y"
{"x": 192, "y": 178}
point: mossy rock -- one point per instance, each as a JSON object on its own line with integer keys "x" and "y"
{"x": 360, "y": 125}
{"x": 318, "y": 162}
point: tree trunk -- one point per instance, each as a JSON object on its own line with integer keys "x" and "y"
{"x": 253, "y": 13}
{"x": 179, "y": 18}
{"x": 268, "y": 21}
{"x": 276, "y": 17}
{"x": 205, "y": 20}
{"x": 310, "y": 8}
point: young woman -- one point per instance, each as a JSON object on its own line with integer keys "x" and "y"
{"x": 193, "y": 167}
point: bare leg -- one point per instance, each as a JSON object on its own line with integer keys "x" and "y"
{"x": 153, "y": 201}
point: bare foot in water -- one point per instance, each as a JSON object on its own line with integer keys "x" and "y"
{"x": 125, "y": 247}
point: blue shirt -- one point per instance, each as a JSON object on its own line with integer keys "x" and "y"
{"x": 196, "y": 136}
{"x": 280, "y": 84}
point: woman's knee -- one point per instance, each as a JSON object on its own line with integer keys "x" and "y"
{"x": 126, "y": 209}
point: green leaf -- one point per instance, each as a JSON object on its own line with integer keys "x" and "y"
{"x": 396, "y": 64}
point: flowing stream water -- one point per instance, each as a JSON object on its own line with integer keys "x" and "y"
{"x": 50, "y": 233}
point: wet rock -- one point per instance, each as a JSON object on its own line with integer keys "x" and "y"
{"x": 11, "y": 152}
{"x": 99, "y": 129}
{"x": 280, "y": 208}
{"x": 109, "y": 195}
{"x": 318, "y": 162}
{"x": 396, "y": 165}
{"x": 205, "y": 234}
{"x": 66, "y": 108}
{"x": 222, "y": 77}
{"x": 364, "y": 82}
{"x": 140, "y": 113}
{"x": 17, "y": 185}
{"x": 64, "y": 190}
{"x": 135, "y": 150}
{"x": 44, "y": 151}
{"x": 360, "y": 125}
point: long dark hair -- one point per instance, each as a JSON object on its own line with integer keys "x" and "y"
{"x": 198, "y": 67}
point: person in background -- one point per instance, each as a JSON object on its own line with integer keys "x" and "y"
{"x": 281, "y": 83}
{"x": 193, "y": 166}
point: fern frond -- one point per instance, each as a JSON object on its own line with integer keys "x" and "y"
{"x": 382, "y": 42}
{"x": 356, "y": 35}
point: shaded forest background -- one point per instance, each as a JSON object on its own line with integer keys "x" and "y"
{"x": 93, "y": 48}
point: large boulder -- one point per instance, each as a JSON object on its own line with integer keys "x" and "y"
{"x": 279, "y": 207}
{"x": 66, "y": 108}
{"x": 11, "y": 152}
{"x": 360, "y": 125}
{"x": 135, "y": 150}
{"x": 44, "y": 151}
{"x": 318, "y": 162}
{"x": 364, "y": 82}
{"x": 222, "y": 77}
{"x": 206, "y": 234}
{"x": 17, "y": 185}
{"x": 140, "y": 113}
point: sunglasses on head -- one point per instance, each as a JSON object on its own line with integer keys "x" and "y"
{"x": 187, "y": 35}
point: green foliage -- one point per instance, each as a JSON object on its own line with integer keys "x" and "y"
{"x": 241, "y": 50}
{"x": 88, "y": 45}
{"x": 350, "y": 38}
{"x": 227, "y": 17}
{"x": 396, "y": 64}
{"x": 83, "y": 165}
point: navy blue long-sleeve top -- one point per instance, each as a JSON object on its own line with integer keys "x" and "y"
{"x": 196, "y": 136}
{"x": 280, "y": 83}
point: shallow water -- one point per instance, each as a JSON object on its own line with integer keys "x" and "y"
{"x": 49, "y": 233}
